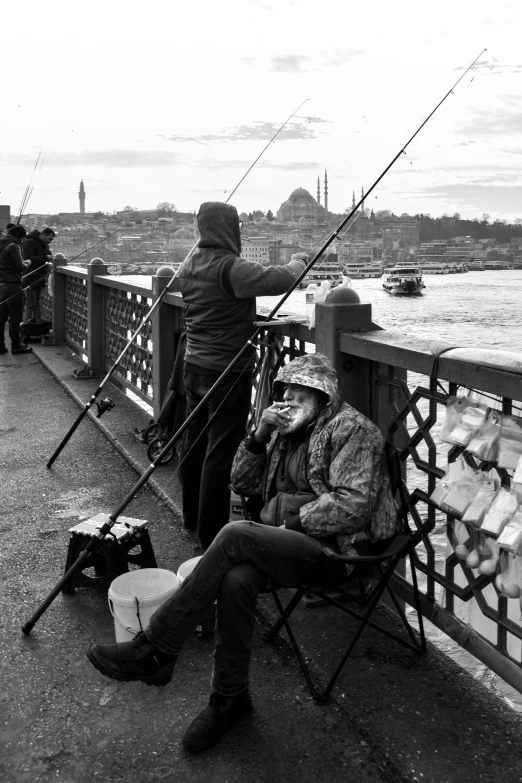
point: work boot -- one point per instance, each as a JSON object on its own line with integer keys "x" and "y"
{"x": 3, "y": 349}
{"x": 137, "y": 660}
{"x": 21, "y": 349}
{"x": 222, "y": 713}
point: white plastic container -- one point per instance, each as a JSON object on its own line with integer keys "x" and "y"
{"x": 310, "y": 292}
{"x": 187, "y": 567}
{"x": 319, "y": 296}
{"x": 135, "y": 596}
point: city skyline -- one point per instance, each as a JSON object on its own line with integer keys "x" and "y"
{"x": 184, "y": 122}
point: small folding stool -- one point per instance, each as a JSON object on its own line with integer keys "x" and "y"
{"x": 127, "y": 543}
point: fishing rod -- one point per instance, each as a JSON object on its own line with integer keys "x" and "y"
{"x": 58, "y": 266}
{"x": 151, "y": 312}
{"x": 28, "y": 190}
{"x": 107, "y": 526}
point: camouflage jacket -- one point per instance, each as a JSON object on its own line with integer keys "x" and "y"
{"x": 345, "y": 467}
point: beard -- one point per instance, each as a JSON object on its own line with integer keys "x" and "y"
{"x": 302, "y": 415}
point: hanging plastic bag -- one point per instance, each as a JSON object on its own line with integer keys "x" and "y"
{"x": 460, "y": 484}
{"x": 509, "y": 579}
{"x": 459, "y": 496}
{"x": 482, "y": 550}
{"x": 468, "y": 423}
{"x": 481, "y": 503}
{"x": 454, "y": 407}
{"x": 483, "y": 443}
{"x": 459, "y": 539}
{"x": 511, "y": 536}
{"x": 500, "y": 512}
{"x": 510, "y": 443}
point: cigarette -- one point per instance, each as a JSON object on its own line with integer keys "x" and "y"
{"x": 284, "y": 410}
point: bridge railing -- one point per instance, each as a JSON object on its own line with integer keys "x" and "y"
{"x": 389, "y": 377}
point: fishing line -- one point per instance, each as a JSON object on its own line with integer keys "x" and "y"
{"x": 154, "y": 307}
{"x": 107, "y": 526}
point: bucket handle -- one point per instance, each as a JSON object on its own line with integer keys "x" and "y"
{"x": 126, "y": 627}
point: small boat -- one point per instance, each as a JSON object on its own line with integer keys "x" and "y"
{"x": 403, "y": 281}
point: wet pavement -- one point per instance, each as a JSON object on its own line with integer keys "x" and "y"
{"x": 393, "y": 717}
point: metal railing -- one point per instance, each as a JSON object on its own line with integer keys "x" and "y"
{"x": 388, "y": 377}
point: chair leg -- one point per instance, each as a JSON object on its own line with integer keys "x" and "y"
{"x": 284, "y": 614}
{"x": 283, "y": 621}
{"x": 417, "y": 603}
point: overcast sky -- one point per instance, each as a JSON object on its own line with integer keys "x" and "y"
{"x": 173, "y": 101}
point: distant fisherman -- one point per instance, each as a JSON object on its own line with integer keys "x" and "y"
{"x": 219, "y": 289}
{"x": 36, "y": 249}
{"x": 12, "y": 266}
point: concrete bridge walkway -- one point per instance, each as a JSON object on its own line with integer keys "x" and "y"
{"x": 393, "y": 716}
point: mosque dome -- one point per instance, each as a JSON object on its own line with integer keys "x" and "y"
{"x": 183, "y": 233}
{"x": 243, "y": 216}
{"x": 300, "y": 192}
{"x": 264, "y": 220}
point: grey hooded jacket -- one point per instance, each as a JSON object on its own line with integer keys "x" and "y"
{"x": 219, "y": 289}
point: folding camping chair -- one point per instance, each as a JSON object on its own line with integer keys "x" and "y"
{"x": 378, "y": 560}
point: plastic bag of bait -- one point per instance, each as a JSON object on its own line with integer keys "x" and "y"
{"x": 500, "y": 512}
{"x": 510, "y": 443}
{"x": 483, "y": 444}
{"x": 509, "y": 579}
{"x": 511, "y": 536}
{"x": 480, "y": 504}
{"x": 468, "y": 421}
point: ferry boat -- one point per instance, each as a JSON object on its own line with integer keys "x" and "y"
{"x": 358, "y": 272}
{"x": 476, "y": 266}
{"x": 434, "y": 269}
{"x": 403, "y": 281}
{"x": 332, "y": 272}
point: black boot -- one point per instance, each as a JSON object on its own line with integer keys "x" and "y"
{"x": 222, "y": 713}
{"x": 3, "y": 349}
{"x": 131, "y": 661}
{"x": 21, "y": 349}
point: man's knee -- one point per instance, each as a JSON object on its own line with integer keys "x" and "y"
{"x": 242, "y": 581}
{"x": 233, "y": 531}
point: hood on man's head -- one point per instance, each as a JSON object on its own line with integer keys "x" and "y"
{"x": 218, "y": 225}
{"x": 313, "y": 370}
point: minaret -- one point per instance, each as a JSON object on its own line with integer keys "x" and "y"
{"x": 326, "y": 192}
{"x": 362, "y": 205}
{"x": 81, "y": 194}
{"x": 318, "y": 192}
{"x": 353, "y": 199}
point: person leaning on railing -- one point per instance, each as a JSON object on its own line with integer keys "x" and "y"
{"x": 36, "y": 249}
{"x": 219, "y": 289}
{"x": 12, "y": 267}
{"x": 320, "y": 466}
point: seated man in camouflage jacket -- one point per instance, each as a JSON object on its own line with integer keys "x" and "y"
{"x": 320, "y": 468}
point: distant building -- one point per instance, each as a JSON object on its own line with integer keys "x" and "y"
{"x": 301, "y": 207}
{"x": 264, "y": 250}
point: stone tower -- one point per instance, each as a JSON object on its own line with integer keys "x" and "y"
{"x": 318, "y": 191}
{"x": 81, "y": 194}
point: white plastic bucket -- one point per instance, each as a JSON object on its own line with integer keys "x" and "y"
{"x": 187, "y": 567}
{"x": 135, "y": 596}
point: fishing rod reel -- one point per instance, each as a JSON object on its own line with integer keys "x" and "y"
{"x": 105, "y": 405}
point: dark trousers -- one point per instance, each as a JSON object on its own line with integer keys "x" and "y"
{"x": 235, "y": 568}
{"x": 208, "y": 449}
{"x": 32, "y": 303}
{"x": 12, "y": 310}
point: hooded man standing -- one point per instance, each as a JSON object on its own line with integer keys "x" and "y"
{"x": 320, "y": 467}
{"x": 36, "y": 249}
{"x": 219, "y": 289}
{"x": 12, "y": 266}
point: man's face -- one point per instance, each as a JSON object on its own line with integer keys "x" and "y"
{"x": 303, "y": 406}
{"x": 47, "y": 238}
